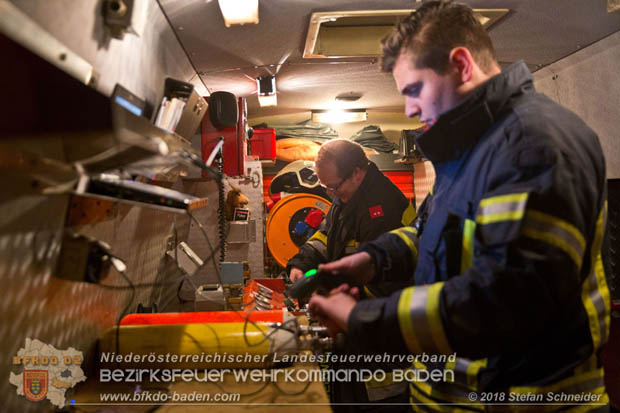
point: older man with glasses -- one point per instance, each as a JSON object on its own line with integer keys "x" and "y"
{"x": 365, "y": 205}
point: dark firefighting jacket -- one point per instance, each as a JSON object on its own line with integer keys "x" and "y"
{"x": 377, "y": 207}
{"x": 507, "y": 254}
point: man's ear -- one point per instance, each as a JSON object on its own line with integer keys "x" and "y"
{"x": 462, "y": 60}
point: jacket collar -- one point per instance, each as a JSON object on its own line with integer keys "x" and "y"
{"x": 460, "y": 128}
{"x": 371, "y": 173}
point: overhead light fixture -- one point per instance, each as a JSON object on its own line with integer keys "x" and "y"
{"x": 266, "y": 89}
{"x": 239, "y": 11}
{"x": 339, "y": 116}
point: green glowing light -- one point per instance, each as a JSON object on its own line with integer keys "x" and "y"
{"x": 310, "y": 273}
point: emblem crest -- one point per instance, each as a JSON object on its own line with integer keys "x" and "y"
{"x": 35, "y": 384}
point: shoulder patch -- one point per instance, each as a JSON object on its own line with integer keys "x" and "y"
{"x": 375, "y": 211}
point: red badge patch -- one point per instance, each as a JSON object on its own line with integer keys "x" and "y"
{"x": 375, "y": 212}
{"x": 35, "y": 384}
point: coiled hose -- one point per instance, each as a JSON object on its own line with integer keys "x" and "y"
{"x": 221, "y": 209}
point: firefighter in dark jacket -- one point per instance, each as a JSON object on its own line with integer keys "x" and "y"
{"x": 508, "y": 250}
{"x": 366, "y": 204}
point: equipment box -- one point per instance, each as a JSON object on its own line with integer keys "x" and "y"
{"x": 263, "y": 144}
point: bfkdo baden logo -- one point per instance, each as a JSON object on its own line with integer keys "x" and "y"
{"x": 46, "y": 372}
{"x": 35, "y": 384}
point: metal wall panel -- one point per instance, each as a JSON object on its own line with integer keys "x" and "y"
{"x": 139, "y": 63}
{"x": 35, "y": 304}
{"x": 251, "y": 252}
{"x": 588, "y": 83}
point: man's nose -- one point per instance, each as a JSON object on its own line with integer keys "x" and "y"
{"x": 411, "y": 108}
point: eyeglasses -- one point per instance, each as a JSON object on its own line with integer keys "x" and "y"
{"x": 333, "y": 188}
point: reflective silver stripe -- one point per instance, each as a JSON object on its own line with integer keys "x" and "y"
{"x": 556, "y": 232}
{"x": 318, "y": 246}
{"x": 417, "y": 313}
{"x": 589, "y": 382}
{"x": 501, "y": 208}
{"x": 376, "y": 391}
{"x": 440, "y": 392}
{"x": 466, "y": 371}
{"x": 425, "y": 319}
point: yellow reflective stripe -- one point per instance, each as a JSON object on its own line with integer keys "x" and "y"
{"x": 556, "y": 232}
{"x": 426, "y": 389}
{"x": 401, "y": 233}
{"x": 562, "y": 385}
{"x": 467, "y": 252}
{"x": 434, "y": 319}
{"x": 408, "y": 215}
{"x": 586, "y": 407}
{"x": 466, "y": 371}
{"x": 595, "y": 331}
{"x": 405, "y": 322}
{"x": 594, "y": 292}
{"x": 504, "y": 199}
{"x": 472, "y": 372}
{"x": 571, "y": 229}
{"x": 420, "y": 321}
{"x": 319, "y": 236}
{"x": 501, "y": 208}
{"x": 570, "y": 407}
{"x": 371, "y": 383}
{"x": 408, "y": 230}
{"x": 590, "y": 383}
{"x": 353, "y": 243}
{"x": 451, "y": 365}
{"x": 599, "y": 270}
{"x": 419, "y": 398}
{"x": 368, "y": 292}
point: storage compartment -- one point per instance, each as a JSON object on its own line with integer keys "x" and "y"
{"x": 263, "y": 144}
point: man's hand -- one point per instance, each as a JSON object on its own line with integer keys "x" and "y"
{"x": 295, "y": 274}
{"x": 334, "y": 311}
{"x": 358, "y": 266}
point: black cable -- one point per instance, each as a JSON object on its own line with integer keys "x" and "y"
{"x": 221, "y": 210}
{"x": 219, "y": 278}
{"x": 125, "y": 310}
{"x": 210, "y": 257}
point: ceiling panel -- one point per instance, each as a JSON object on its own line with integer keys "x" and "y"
{"x": 538, "y": 31}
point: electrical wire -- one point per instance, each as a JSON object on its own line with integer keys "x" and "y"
{"x": 213, "y": 251}
{"x": 246, "y": 317}
{"x": 222, "y": 225}
{"x": 125, "y": 310}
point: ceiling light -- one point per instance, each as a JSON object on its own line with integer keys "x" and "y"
{"x": 239, "y": 11}
{"x": 271, "y": 100}
{"x": 339, "y": 116}
{"x": 266, "y": 90}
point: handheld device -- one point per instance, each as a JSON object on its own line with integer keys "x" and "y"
{"x": 317, "y": 281}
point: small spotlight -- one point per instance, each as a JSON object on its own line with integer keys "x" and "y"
{"x": 267, "y": 91}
